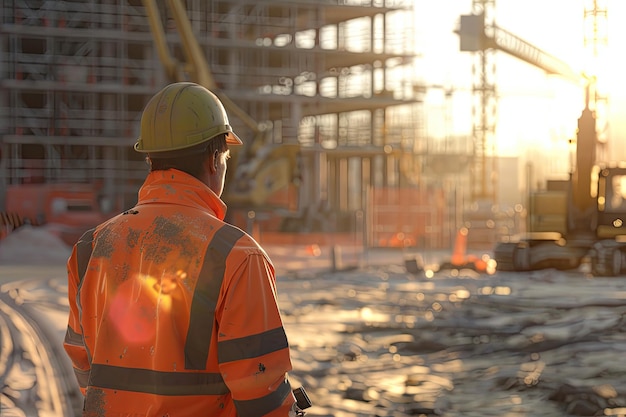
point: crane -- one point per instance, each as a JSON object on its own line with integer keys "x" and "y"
{"x": 478, "y": 36}
{"x": 592, "y": 227}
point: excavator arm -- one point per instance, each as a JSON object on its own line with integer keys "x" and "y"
{"x": 260, "y": 169}
{"x": 170, "y": 65}
{"x": 196, "y": 64}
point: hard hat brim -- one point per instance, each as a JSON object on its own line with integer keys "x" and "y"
{"x": 233, "y": 139}
{"x": 230, "y": 136}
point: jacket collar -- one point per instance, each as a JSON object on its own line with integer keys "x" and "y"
{"x": 178, "y": 187}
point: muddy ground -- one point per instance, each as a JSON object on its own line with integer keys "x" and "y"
{"x": 370, "y": 338}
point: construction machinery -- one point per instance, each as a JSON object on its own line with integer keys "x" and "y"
{"x": 323, "y": 86}
{"x": 583, "y": 219}
{"x": 584, "y": 222}
{"x": 261, "y": 169}
{"x": 67, "y": 209}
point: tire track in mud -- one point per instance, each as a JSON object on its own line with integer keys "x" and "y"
{"x": 36, "y": 378}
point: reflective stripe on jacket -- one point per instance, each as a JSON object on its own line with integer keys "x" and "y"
{"x": 173, "y": 312}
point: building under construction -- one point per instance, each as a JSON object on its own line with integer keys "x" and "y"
{"x": 331, "y": 79}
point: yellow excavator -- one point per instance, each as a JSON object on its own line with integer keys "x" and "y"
{"x": 583, "y": 221}
{"x": 591, "y": 215}
{"x": 261, "y": 168}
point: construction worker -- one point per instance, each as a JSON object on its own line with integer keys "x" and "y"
{"x": 173, "y": 312}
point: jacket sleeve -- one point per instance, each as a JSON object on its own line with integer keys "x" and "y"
{"x": 73, "y": 343}
{"x": 253, "y": 350}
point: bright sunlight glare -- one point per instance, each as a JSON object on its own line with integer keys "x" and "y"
{"x": 536, "y": 112}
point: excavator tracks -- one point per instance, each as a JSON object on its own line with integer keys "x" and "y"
{"x": 608, "y": 258}
{"x": 530, "y": 255}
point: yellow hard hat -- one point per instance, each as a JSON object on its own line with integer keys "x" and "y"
{"x": 180, "y": 116}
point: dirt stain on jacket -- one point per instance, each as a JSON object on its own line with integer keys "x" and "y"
{"x": 94, "y": 403}
{"x": 105, "y": 244}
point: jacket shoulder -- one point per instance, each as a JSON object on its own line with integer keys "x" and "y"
{"x": 239, "y": 238}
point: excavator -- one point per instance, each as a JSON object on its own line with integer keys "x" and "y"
{"x": 586, "y": 222}
{"x": 261, "y": 168}
{"x": 593, "y": 213}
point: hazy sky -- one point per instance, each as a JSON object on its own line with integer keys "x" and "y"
{"x": 536, "y": 112}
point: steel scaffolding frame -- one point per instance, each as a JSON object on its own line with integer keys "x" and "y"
{"x": 330, "y": 75}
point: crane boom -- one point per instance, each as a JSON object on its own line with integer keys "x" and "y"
{"x": 506, "y": 41}
{"x": 476, "y": 36}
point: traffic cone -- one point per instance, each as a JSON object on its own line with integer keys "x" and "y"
{"x": 313, "y": 250}
{"x": 460, "y": 247}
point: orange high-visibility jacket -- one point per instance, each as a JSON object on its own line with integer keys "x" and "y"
{"x": 173, "y": 312}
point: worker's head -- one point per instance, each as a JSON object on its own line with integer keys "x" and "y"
{"x": 185, "y": 126}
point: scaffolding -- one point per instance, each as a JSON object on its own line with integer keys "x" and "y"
{"x": 333, "y": 76}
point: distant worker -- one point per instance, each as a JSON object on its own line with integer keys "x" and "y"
{"x": 173, "y": 312}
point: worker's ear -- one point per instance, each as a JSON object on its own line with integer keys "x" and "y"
{"x": 211, "y": 162}
{"x": 216, "y": 159}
